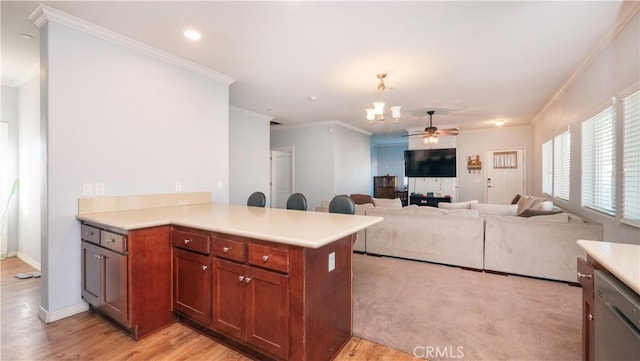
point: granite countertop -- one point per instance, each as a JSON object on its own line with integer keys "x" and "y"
{"x": 306, "y": 229}
{"x": 622, "y": 260}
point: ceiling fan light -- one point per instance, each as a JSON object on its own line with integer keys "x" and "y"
{"x": 370, "y": 115}
{"x": 395, "y": 112}
{"x": 378, "y": 108}
{"x": 430, "y": 139}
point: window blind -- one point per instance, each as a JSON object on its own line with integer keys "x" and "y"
{"x": 631, "y": 159}
{"x": 562, "y": 165}
{"x": 599, "y": 162}
{"x": 547, "y": 167}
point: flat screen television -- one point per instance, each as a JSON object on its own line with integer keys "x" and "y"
{"x": 430, "y": 162}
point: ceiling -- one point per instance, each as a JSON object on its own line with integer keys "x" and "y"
{"x": 472, "y": 62}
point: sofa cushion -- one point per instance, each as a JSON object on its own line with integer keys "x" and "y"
{"x": 361, "y": 198}
{"x": 389, "y": 203}
{"x": 363, "y": 207}
{"x": 555, "y": 218}
{"x": 495, "y": 209}
{"x": 463, "y": 212}
{"x": 457, "y": 205}
{"x": 430, "y": 211}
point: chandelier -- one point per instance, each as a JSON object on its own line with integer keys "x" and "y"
{"x": 376, "y": 114}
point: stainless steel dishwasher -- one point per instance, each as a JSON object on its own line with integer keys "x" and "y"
{"x": 617, "y": 320}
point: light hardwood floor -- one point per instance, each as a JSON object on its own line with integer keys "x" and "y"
{"x": 87, "y": 336}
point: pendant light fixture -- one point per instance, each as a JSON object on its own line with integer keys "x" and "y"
{"x": 376, "y": 114}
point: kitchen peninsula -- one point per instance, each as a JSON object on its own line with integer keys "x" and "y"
{"x": 273, "y": 283}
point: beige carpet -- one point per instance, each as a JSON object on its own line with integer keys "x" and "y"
{"x": 458, "y": 314}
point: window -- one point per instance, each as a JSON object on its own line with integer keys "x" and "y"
{"x": 562, "y": 165}
{"x": 599, "y": 162}
{"x": 547, "y": 167}
{"x": 631, "y": 159}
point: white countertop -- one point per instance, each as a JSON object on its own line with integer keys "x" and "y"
{"x": 299, "y": 228}
{"x": 622, "y": 260}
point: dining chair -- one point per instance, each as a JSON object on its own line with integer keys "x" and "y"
{"x": 342, "y": 204}
{"x": 257, "y": 199}
{"x": 297, "y": 201}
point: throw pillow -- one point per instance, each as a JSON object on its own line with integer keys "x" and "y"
{"x": 457, "y": 205}
{"x": 528, "y": 202}
{"x": 390, "y": 203}
{"x": 537, "y": 212}
{"x": 361, "y": 198}
{"x": 516, "y": 199}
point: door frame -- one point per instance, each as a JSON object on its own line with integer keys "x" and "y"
{"x": 503, "y": 149}
{"x": 290, "y": 150}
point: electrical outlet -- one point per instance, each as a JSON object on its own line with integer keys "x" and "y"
{"x": 99, "y": 189}
{"x": 178, "y": 186}
{"x": 332, "y": 261}
{"x": 87, "y": 189}
{"x": 220, "y": 185}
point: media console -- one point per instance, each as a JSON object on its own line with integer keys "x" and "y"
{"x": 427, "y": 201}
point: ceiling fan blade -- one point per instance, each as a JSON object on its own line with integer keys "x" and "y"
{"x": 447, "y": 132}
{"x": 410, "y": 135}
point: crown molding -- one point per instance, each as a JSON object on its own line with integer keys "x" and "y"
{"x": 43, "y": 13}
{"x": 626, "y": 15}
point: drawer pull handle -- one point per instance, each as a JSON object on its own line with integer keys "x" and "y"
{"x": 247, "y": 279}
{"x": 187, "y": 241}
{"x": 111, "y": 240}
{"x": 584, "y": 275}
{"x": 240, "y": 278}
{"x": 98, "y": 256}
{"x": 204, "y": 268}
{"x": 226, "y": 249}
{"x": 88, "y": 233}
{"x": 265, "y": 258}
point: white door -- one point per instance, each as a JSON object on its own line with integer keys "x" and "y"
{"x": 504, "y": 175}
{"x": 281, "y": 177}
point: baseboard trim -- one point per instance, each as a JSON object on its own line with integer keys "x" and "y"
{"x": 30, "y": 261}
{"x": 48, "y": 317}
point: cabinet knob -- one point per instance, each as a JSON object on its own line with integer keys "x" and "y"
{"x": 584, "y": 275}
{"x": 240, "y": 278}
{"x": 204, "y": 268}
{"x": 265, "y": 258}
{"x": 591, "y": 318}
{"x": 187, "y": 241}
{"x": 226, "y": 249}
{"x": 247, "y": 279}
{"x": 98, "y": 256}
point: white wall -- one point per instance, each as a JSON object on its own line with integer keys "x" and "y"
{"x": 352, "y": 160}
{"x": 29, "y": 170}
{"x": 249, "y": 152}
{"x": 612, "y": 72}
{"x": 330, "y": 158}
{"x": 476, "y": 142}
{"x": 9, "y": 98}
{"x": 129, "y": 121}
{"x": 314, "y": 172}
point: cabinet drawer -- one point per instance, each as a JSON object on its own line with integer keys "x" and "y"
{"x": 113, "y": 241}
{"x": 191, "y": 241}
{"x": 269, "y": 257}
{"x": 229, "y": 249}
{"x": 90, "y": 234}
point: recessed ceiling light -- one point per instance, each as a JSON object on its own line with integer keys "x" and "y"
{"x": 27, "y": 36}
{"x": 313, "y": 98}
{"x": 499, "y": 123}
{"x": 192, "y": 34}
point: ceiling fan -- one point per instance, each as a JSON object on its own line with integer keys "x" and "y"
{"x": 431, "y": 133}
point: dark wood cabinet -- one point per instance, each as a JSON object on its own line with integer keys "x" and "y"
{"x": 385, "y": 186}
{"x": 192, "y": 285}
{"x": 104, "y": 281}
{"x": 427, "y": 201}
{"x": 585, "y": 278}
{"x": 230, "y": 299}
{"x": 127, "y": 276}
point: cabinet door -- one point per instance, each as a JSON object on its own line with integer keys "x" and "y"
{"x": 585, "y": 278}
{"x": 91, "y": 274}
{"x": 115, "y": 300}
{"x": 230, "y": 294}
{"x": 268, "y": 312}
{"x": 192, "y": 285}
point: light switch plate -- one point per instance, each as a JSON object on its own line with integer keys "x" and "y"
{"x": 332, "y": 261}
{"x": 87, "y": 189}
{"x": 99, "y": 189}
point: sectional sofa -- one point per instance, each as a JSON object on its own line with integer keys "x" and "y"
{"x": 479, "y": 236}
